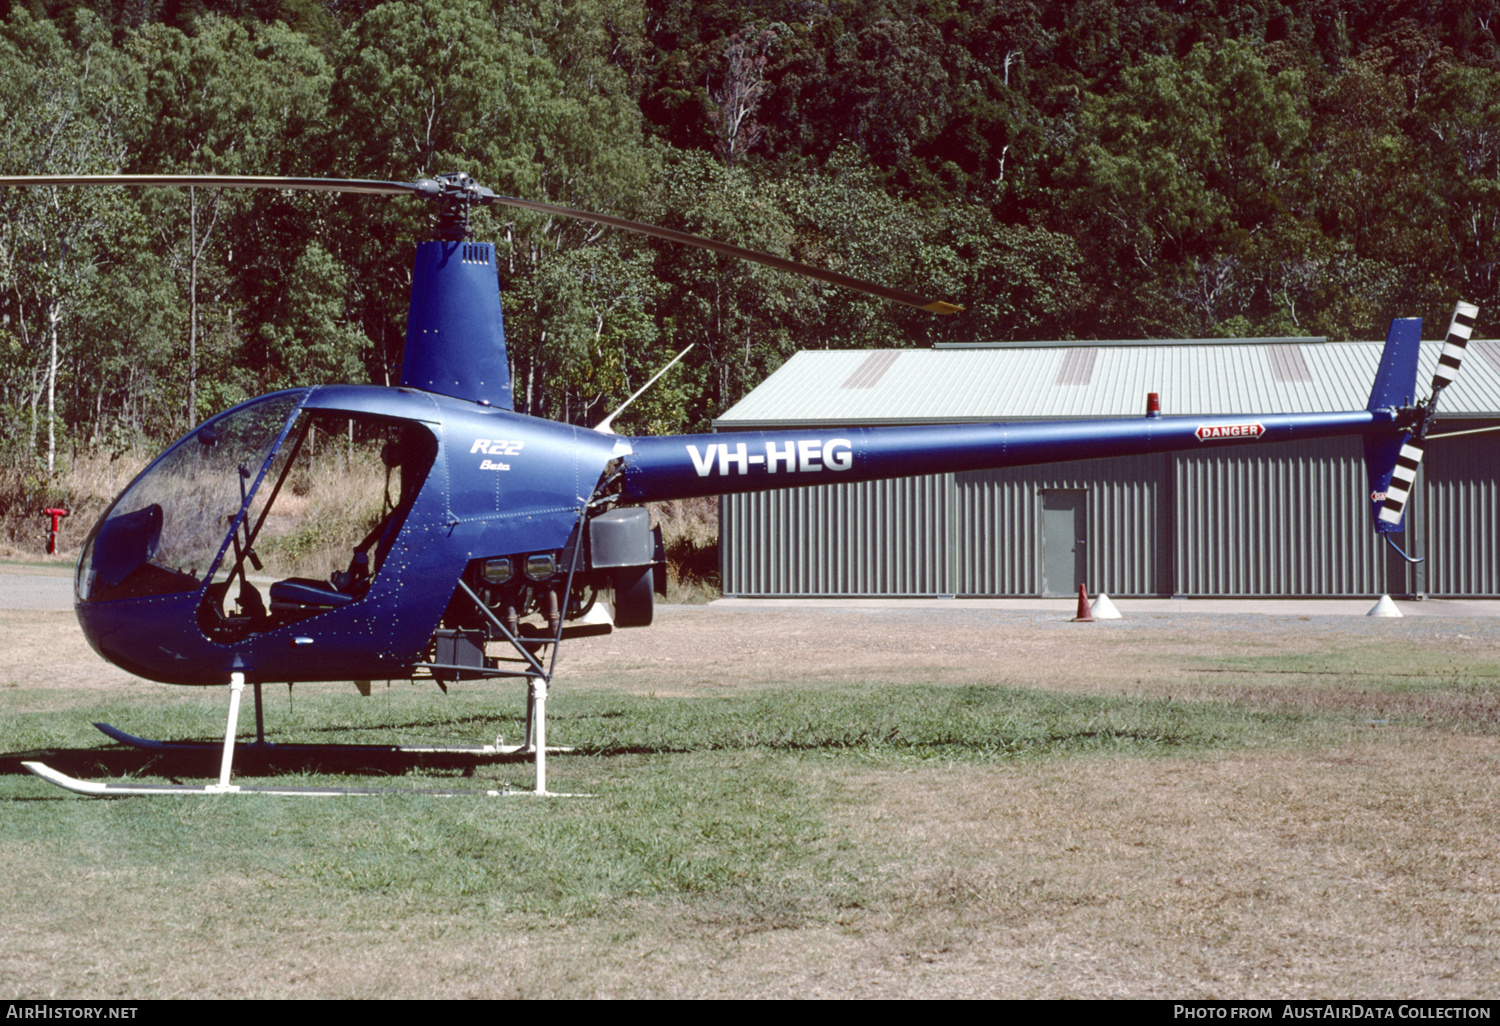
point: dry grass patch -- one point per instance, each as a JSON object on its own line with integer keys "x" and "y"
{"x": 1364, "y": 871}
{"x": 1249, "y": 658}
{"x": 690, "y": 535}
{"x": 84, "y": 487}
{"x": 46, "y": 655}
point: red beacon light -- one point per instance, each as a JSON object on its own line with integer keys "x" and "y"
{"x": 1153, "y": 405}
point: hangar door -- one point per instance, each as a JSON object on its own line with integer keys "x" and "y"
{"x": 1064, "y": 540}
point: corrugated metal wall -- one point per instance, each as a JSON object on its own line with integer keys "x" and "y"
{"x": 1459, "y": 515}
{"x": 964, "y": 534}
{"x": 869, "y": 538}
{"x": 1267, "y": 520}
{"x": 1285, "y": 519}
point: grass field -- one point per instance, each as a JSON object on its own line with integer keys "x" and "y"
{"x": 799, "y": 803}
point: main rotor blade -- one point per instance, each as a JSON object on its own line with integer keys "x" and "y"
{"x": 433, "y": 189}
{"x": 232, "y": 182}
{"x": 780, "y": 263}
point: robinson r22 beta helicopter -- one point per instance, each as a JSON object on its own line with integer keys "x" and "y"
{"x": 502, "y": 520}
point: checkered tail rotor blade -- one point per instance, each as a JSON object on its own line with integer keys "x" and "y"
{"x": 1396, "y": 495}
{"x": 1459, "y": 330}
{"x": 1405, "y": 473}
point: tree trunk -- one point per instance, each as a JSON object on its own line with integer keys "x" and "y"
{"x": 192, "y": 367}
{"x": 54, "y": 316}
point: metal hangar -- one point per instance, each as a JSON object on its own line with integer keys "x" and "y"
{"x": 1280, "y": 519}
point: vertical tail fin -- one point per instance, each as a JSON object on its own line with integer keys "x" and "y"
{"x": 1395, "y": 386}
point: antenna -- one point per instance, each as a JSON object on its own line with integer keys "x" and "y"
{"x": 605, "y": 426}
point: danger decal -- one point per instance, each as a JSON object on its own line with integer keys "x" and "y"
{"x": 1222, "y": 432}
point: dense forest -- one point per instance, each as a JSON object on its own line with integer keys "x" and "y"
{"x": 1062, "y": 168}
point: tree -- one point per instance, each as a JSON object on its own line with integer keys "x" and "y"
{"x": 306, "y": 337}
{"x": 1461, "y": 115}
{"x": 65, "y": 108}
{"x": 739, "y": 316}
{"x": 741, "y": 84}
{"x": 224, "y": 100}
{"x": 1370, "y": 197}
{"x": 1172, "y": 178}
{"x": 890, "y": 89}
{"x": 124, "y": 383}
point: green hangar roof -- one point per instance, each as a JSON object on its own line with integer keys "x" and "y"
{"x": 1050, "y": 380}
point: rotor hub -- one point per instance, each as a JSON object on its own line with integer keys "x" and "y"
{"x": 455, "y": 193}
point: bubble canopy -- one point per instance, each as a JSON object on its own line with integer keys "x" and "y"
{"x": 168, "y": 532}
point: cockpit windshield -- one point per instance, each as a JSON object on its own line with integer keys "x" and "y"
{"x": 170, "y": 528}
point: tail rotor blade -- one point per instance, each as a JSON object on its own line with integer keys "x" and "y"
{"x": 1459, "y": 330}
{"x": 1402, "y": 478}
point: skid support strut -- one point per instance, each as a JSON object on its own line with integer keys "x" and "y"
{"x": 539, "y": 723}
{"x": 236, "y": 689}
{"x": 537, "y": 677}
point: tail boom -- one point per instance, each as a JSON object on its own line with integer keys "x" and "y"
{"x": 683, "y": 466}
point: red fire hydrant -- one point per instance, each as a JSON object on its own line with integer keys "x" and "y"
{"x": 56, "y": 514}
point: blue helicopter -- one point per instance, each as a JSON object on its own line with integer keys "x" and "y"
{"x": 508, "y": 529}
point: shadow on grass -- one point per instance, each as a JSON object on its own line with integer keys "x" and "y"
{"x": 249, "y": 760}
{"x": 912, "y": 722}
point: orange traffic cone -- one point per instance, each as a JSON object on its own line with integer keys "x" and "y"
{"x": 1085, "y": 615}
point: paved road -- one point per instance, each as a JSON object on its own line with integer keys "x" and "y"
{"x": 1268, "y": 607}
{"x": 20, "y": 589}
{"x": 51, "y": 588}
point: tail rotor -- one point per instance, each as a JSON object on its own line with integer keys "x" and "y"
{"x": 1403, "y": 475}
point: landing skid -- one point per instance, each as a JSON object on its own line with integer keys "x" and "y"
{"x": 536, "y": 733}
{"x": 498, "y": 749}
{"x": 97, "y": 790}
